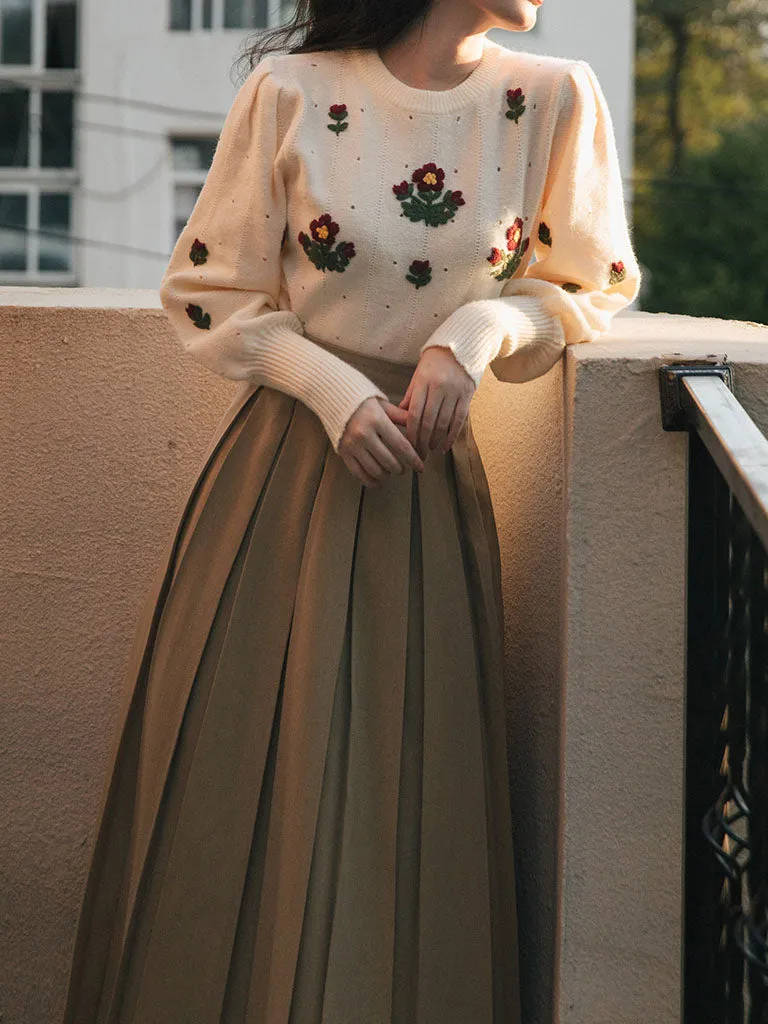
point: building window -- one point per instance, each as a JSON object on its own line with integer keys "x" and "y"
{"x": 191, "y": 161}
{"x": 38, "y": 83}
{"x": 35, "y": 225}
{"x": 36, "y": 127}
{"x": 55, "y": 46}
{"x": 193, "y": 15}
{"x": 61, "y": 34}
{"x": 37, "y": 157}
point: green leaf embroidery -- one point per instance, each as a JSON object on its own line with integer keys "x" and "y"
{"x": 516, "y": 104}
{"x": 506, "y": 263}
{"x": 339, "y": 113}
{"x": 198, "y": 253}
{"x": 319, "y": 248}
{"x": 427, "y": 204}
{"x": 618, "y": 272}
{"x": 420, "y": 273}
{"x": 198, "y": 318}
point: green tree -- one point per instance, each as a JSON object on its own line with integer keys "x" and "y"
{"x": 701, "y": 155}
{"x": 700, "y": 65}
{"x": 704, "y": 237}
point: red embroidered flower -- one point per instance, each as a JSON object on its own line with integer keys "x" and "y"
{"x": 420, "y": 273}
{"x": 324, "y": 229}
{"x": 505, "y": 264}
{"x": 514, "y": 234}
{"x": 429, "y": 178}
{"x": 516, "y": 104}
{"x": 618, "y": 272}
{"x": 338, "y": 111}
{"x": 319, "y": 248}
{"x": 427, "y": 204}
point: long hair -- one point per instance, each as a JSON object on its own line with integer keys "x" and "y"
{"x": 337, "y": 25}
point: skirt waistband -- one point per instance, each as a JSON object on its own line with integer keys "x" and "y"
{"x": 391, "y": 376}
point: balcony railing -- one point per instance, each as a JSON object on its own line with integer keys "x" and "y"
{"x": 725, "y": 889}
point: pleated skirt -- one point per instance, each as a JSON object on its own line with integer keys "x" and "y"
{"x": 306, "y": 817}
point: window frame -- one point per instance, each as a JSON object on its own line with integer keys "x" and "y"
{"x": 38, "y": 47}
{"x": 33, "y": 180}
{"x": 33, "y": 276}
{"x": 274, "y": 17}
{"x": 181, "y": 177}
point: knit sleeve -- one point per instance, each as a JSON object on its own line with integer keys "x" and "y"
{"x": 585, "y": 268}
{"x": 221, "y": 287}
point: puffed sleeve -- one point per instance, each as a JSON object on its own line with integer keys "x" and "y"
{"x": 585, "y": 268}
{"x": 221, "y": 286}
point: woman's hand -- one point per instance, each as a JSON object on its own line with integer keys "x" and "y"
{"x": 437, "y": 400}
{"x": 372, "y": 447}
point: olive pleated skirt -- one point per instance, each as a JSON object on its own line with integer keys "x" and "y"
{"x": 306, "y": 818}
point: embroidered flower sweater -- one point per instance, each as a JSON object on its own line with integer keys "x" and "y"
{"x": 345, "y": 206}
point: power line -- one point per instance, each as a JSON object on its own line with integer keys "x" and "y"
{"x": 86, "y": 242}
{"x": 123, "y": 101}
{"x": 712, "y": 186}
{"x": 122, "y": 193}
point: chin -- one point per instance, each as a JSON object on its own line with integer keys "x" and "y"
{"x": 517, "y": 16}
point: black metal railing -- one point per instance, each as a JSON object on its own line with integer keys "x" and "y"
{"x": 725, "y": 861}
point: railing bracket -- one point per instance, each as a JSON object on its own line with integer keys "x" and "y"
{"x": 674, "y": 398}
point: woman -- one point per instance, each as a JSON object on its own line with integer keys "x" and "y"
{"x": 307, "y": 815}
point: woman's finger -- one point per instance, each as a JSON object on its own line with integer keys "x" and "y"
{"x": 357, "y": 470}
{"x": 443, "y": 422}
{"x": 378, "y": 448}
{"x": 370, "y": 464}
{"x": 416, "y": 405}
{"x": 432, "y": 406}
{"x": 457, "y": 422}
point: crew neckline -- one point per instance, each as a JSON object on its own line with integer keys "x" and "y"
{"x": 373, "y": 69}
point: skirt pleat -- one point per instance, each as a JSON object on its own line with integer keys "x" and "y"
{"x": 307, "y": 818}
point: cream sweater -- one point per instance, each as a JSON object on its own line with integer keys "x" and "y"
{"x": 345, "y": 206}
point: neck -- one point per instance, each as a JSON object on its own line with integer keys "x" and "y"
{"x": 435, "y": 56}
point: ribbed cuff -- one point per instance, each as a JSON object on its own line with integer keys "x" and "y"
{"x": 290, "y": 362}
{"x": 484, "y": 329}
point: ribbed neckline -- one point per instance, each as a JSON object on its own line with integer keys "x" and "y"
{"x": 437, "y": 101}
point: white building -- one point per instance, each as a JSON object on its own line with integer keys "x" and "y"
{"x": 110, "y": 111}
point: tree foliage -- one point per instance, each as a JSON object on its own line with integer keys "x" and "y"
{"x": 704, "y": 238}
{"x": 701, "y": 154}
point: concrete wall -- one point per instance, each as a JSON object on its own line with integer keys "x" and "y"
{"x": 590, "y": 494}
{"x": 104, "y": 422}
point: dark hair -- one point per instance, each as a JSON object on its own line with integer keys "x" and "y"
{"x": 332, "y": 25}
